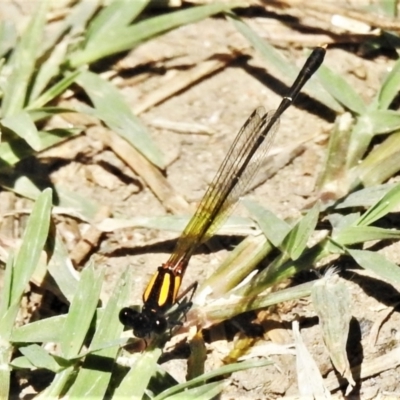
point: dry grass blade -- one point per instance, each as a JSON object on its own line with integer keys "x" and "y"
{"x": 150, "y": 174}
{"x": 181, "y": 81}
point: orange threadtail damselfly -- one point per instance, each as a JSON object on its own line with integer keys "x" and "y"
{"x": 231, "y": 181}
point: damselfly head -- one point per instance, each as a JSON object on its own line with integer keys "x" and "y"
{"x": 143, "y": 323}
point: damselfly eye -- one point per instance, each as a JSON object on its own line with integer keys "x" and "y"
{"x": 160, "y": 325}
{"x": 129, "y": 317}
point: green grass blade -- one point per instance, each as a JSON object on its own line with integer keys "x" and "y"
{"x": 216, "y": 373}
{"x": 382, "y": 207}
{"x": 42, "y": 331}
{"x": 382, "y": 163}
{"x": 115, "y": 16}
{"x": 59, "y": 88}
{"x": 81, "y": 312}
{"x": 48, "y": 70}
{"x": 92, "y": 382}
{"x": 377, "y": 263}
{"x": 6, "y": 352}
{"x": 33, "y": 242}
{"x": 360, "y": 139}
{"x": 389, "y": 88}
{"x": 5, "y": 295}
{"x": 21, "y": 124}
{"x": 282, "y": 66}
{"x": 59, "y": 384}
{"x": 296, "y": 241}
{"x": 22, "y": 63}
{"x": 382, "y": 121}
{"x": 273, "y": 227}
{"x": 128, "y": 37}
{"x": 60, "y": 267}
{"x": 39, "y": 357}
{"x": 115, "y": 112}
{"x": 341, "y": 90}
{"x": 15, "y": 150}
{"x": 241, "y": 262}
{"x": 39, "y": 114}
{"x": 135, "y": 383}
{"x": 204, "y": 392}
{"x": 79, "y": 205}
{"x": 360, "y": 234}
{"x": 365, "y": 197}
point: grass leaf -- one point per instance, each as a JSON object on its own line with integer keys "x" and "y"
{"x": 115, "y": 112}
{"x": 382, "y": 207}
{"x": 273, "y": 227}
{"x": 361, "y": 234}
{"x": 341, "y": 90}
{"x": 108, "y": 329}
{"x": 296, "y": 241}
{"x": 389, "y": 88}
{"x": 21, "y": 124}
{"x": 54, "y": 91}
{"x": 33, "y": 242}
{"x": 116, "y": 15}
{"x": 381, "y": 163}
{"x": 22, "y": 63}
{"x": 81, "y": 312}
{"x": 377, "y": 263}
{"x": 128, "y": 37}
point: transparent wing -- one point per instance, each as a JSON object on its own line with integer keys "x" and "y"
{"x": 231, "y": 181}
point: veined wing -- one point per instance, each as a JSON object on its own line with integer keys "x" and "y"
{"x": 231, "y": 181}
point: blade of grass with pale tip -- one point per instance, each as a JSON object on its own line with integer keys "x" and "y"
{"x": 91, "y": 382}
{"x": 116, "y": 114}
{"x": 281, "y": 65}
{"x": 22, "y": 63}
{"x": 376, "y": 263}
{"x": 128, "y": 37}
{"x": 81, "y": 312}
{"x": 382, "y": 207}
{"x": 332, "y": 303}
{"x": 333, "y": 179}
{"x": 341, "y": 90}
